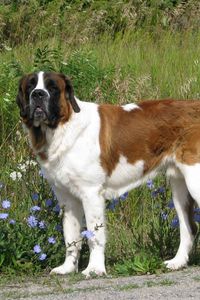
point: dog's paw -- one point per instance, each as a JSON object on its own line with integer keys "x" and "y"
{"x": 64, "y": 269}
{"x": 175, "y": 263}
{"x": 90, "y": 272}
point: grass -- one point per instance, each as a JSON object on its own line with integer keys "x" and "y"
{"x": 196, "y": 278}
{"x": 167, "y": 282}
{"x": 114, "y": 67}
{"x": 128, "y": 287}
{"x": 97, "y": 77}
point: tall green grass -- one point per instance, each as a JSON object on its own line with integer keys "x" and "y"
{"x": 166, "y": 66}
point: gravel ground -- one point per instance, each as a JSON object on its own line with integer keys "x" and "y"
{"x": 184, "y": 284}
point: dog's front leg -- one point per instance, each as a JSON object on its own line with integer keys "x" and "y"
{"x": 93, "y": 205}
{"x": 72, "y": 222}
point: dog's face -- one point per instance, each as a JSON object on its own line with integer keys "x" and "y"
{"x": 46, "y": 98}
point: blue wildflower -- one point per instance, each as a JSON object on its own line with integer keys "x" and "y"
{"x": 154, "y": 193}
{"x": 150, "y": 184}
{"x": 197, "y": 209}
{"x": 158, "y": 191}
{"x": 161, "y": 190}
{"x": 42, "y": 225}
{"x": 197, "y": 218}
{"x": 12, "y": 222}
{"x": 88, "y": 234}
{"x": 1, "y": 185}
{"x": 3, "y": 216}
{"x": 42, "y": 256}
{"x": 35, "y": 208}
{"x": 58, "y": 228}
{"x": 164, "y": 216}
{"x": 51, "y": 240}
{"x": 6, "y": 204}
{"x": 175, "y": 222}
{"x": 56, "y": 208}
{"x": 42, "y": 173}
{"x": 37, "y": 249}
{"x": 32, "y": 221}
{"x": 112, "y": 205}
{"x": 49, "y": 202}
{"x": 171, "y": 204}
{"x": 35, "y": 196}
{"x": 124, "y": 196}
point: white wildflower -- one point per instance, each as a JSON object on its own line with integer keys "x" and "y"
{"x": 18, "y": 133}
{"x": 31, "y": 162}
{"x": 16, "y": 175}
{"x": 22, "y": 167}
{"x": 7, "y": 48}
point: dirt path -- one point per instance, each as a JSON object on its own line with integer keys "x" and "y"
{"x": 182, "y": 285}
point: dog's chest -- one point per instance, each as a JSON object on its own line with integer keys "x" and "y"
{"x": 75, "y": 170}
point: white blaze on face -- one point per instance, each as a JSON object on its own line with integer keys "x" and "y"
{"x": 40, "y": 84}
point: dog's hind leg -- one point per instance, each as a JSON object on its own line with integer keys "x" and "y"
{"x": 192, "y": 179}
{"x": 183, "y": 203}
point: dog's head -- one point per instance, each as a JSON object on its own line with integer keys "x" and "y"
{"x": 46, "y": 98}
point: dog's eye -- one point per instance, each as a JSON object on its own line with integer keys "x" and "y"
{"x": 31, "y": 83}
{"x": 52, "y": 87}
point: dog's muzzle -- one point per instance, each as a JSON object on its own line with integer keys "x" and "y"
{"x": 39, "y": 103}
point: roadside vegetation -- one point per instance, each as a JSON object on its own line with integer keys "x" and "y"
{"x": 114, "y": 52}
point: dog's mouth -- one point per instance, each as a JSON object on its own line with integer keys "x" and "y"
{"x": 39, "y": 113}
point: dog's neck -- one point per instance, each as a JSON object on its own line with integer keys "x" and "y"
{"x": 48, "y": 143}
{"x": 39, "y": 140}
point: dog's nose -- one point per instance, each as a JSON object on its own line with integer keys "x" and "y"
{"x": 39, "y": 94}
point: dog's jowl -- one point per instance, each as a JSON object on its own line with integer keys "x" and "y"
{"x": 92, "y": 152}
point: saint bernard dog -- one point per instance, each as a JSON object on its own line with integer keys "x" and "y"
{"x": 91, "y": 152}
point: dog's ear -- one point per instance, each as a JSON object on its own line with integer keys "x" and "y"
{"x": 69, "y": 91}
{"x": 20, "y": 100}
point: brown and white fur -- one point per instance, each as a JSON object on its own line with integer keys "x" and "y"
{"x": 92, "y": 152}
